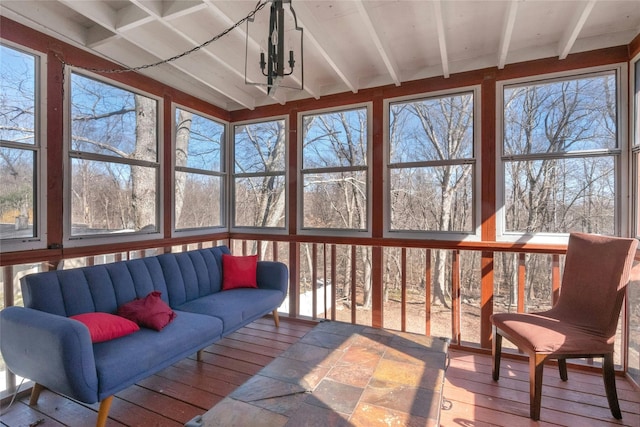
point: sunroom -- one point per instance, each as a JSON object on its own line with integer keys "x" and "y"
{"x": 417, "y": 165}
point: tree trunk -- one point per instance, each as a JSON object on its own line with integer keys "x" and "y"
{"x": 143, "y": 178}
{"x": 183, "y": 133}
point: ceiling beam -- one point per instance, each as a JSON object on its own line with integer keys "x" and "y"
{"x": 391, "y": 65}
{"x": 507, "y": 32}
{"x": 573, "y": 29}
{"x": 442, "y": 42}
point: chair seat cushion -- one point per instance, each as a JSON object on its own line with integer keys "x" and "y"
{"x": 536, "y": 333}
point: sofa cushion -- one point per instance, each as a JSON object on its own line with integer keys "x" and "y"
{"x": 239, "y": 271}
{"x": 105, "y": 326}
{"x": 150, "y": 311}
{"x": 193, "y": 274}
{"x": 235, "y": 307}
{"x": 125, "y": 361}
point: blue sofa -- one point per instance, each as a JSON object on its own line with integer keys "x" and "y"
{"x": 40, "y": 341}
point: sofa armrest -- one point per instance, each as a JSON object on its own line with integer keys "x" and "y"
{"x": 51, "y": 350}
{"x": 273, "y": 275}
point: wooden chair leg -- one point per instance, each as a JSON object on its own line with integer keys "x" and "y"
{"x": 496, "y": 353}
{"x": 609, "y": 376}
{"x": 562, "y": 367}
{"x": 103, "y": 412}
{"x": 35, "y": 394}
{"x": 536, "y": 365}
{"x": 276, "y": 319}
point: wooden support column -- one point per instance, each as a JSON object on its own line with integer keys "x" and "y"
{"x": 486, "y": 298}
{"x": 487, "y": 195}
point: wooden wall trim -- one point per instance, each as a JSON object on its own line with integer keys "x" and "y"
{"x": 634, "y": 47}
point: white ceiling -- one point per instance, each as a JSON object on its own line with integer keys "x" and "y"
{"x": 348, "y": 44}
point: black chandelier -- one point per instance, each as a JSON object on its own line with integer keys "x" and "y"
{"x": 283, "y": 50}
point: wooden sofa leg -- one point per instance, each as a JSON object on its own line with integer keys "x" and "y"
{"x": 199, "y": 355}
{"x": 35, "y": 394}
{"x": 103, "y": 412}
{"x": 536, "y": 365}
{"x": 609, "y": 376}
{"x": 276, "y": 319}
{"x": 496, "y": 353}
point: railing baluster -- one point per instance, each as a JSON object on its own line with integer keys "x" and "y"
{"x": 427, "y": 292}
{"x": 555, "y": 277}
{"x": 403, "y": 289}
{"x": 455, "y": 293}
{"x": 324, "y": 277}
{"x": 353, "y": 284}
{"x": 521, "y": 280}
{"x": 333, "y": 282}
{"x": 314, "y": 280}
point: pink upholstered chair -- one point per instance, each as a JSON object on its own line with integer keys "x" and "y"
{"x": 582, "y": 323}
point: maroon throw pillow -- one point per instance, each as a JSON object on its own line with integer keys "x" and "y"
{"x": 149, "y": 312}
{"x": 239, "y": 271}
{"x": 105, "y": 326}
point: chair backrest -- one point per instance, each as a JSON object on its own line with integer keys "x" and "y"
{"x": 595, "y": 277}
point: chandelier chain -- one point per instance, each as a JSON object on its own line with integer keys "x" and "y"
{"x": 259, "y": 6}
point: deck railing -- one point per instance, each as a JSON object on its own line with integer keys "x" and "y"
{"x": 410, "y": 286}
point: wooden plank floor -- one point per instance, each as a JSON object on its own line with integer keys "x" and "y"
{"x": 188, "y": 388}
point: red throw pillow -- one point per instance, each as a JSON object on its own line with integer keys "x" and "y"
{"x": 105, "y": 326}
{"x": 150, "y": 311}
{"x": 239, "y": 271}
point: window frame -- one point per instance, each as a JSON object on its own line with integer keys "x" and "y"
{"x": 223, "y": 174}
{"x": 620, "y": 169}
{"x": 475, "y": 161}
{"x": 634, "y": 145}
{"x": 368, "y": 106}
{"x": 39, "y": 239}
{"x": 119, "y": 237}
{"x": 233, "y": 176}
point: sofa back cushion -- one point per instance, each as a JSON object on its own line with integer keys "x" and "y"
{"x": 179, "y": 277}
{"x": 193, "y": 274}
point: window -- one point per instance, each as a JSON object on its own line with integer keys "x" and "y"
{"x": 21, "y": 165}
{"x": 114, "y": 160}
{"x": 259, "y": 174}
{"x": 334, "y": 170}
{"x": 199, "y": 179}
{"x": 431, "y": 165}
{"x": 560, "y": 156}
